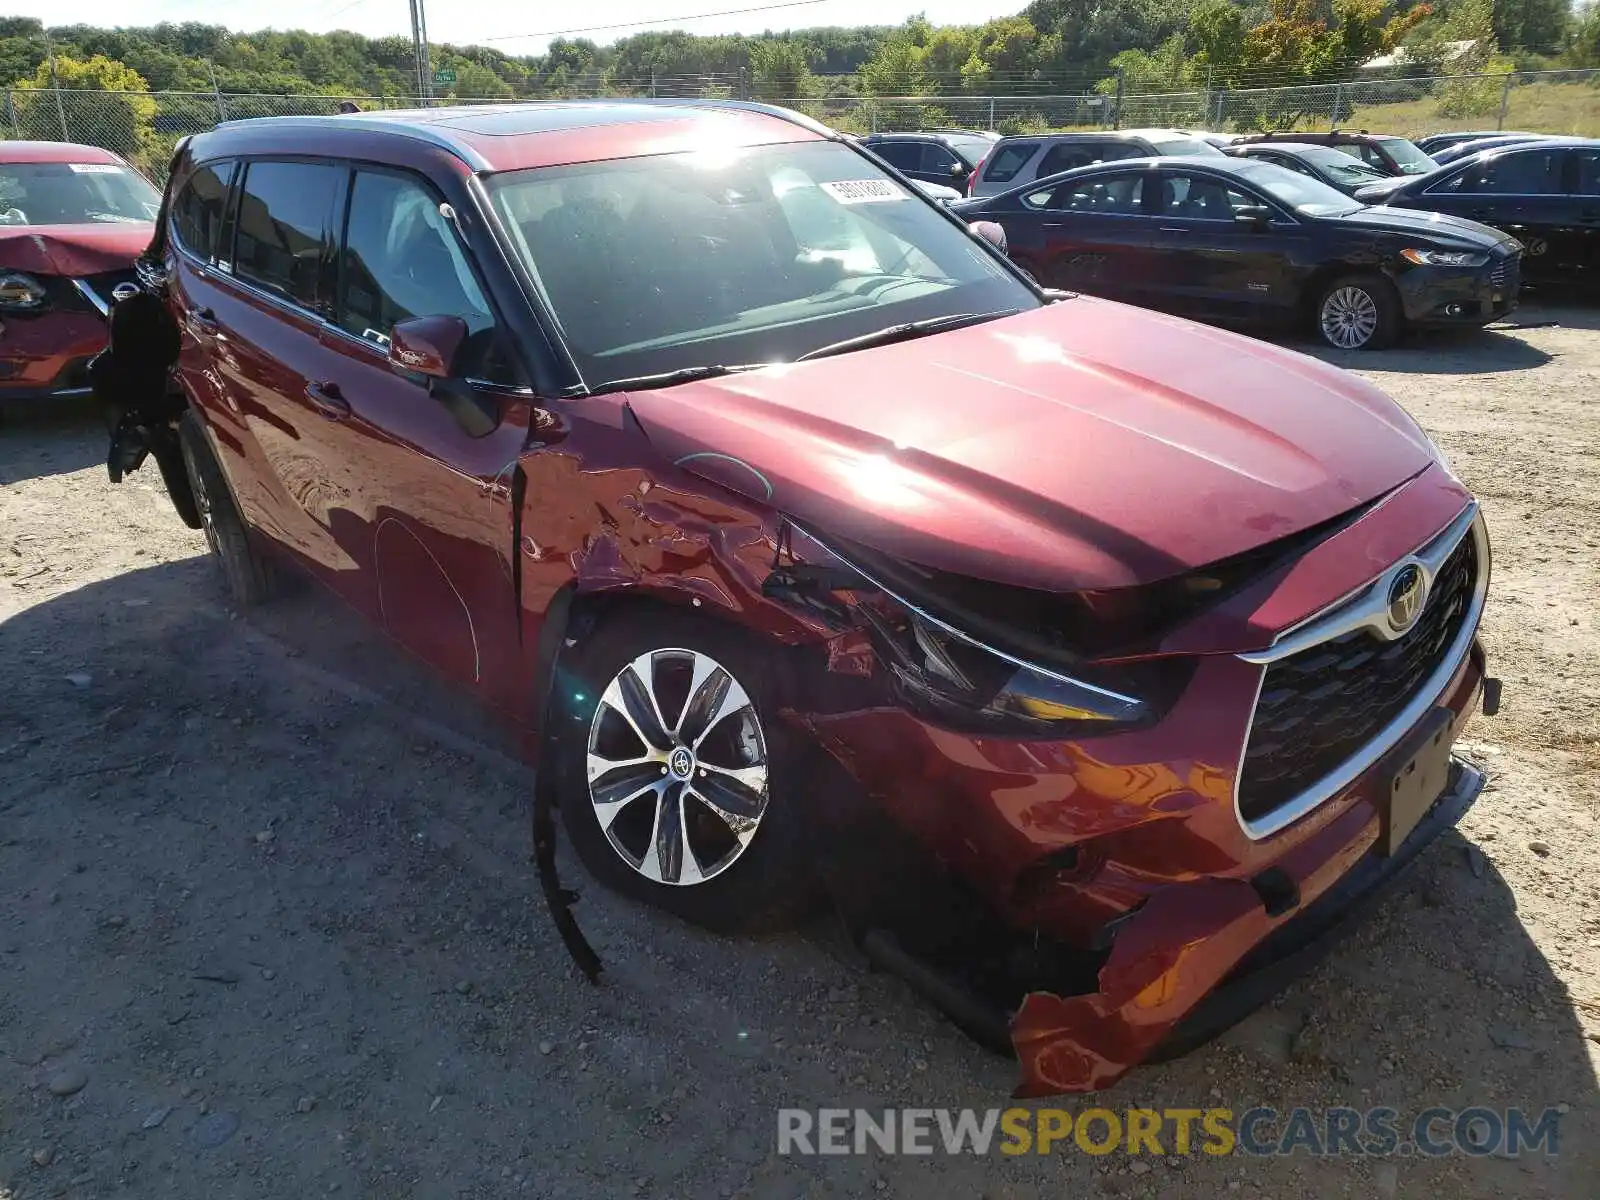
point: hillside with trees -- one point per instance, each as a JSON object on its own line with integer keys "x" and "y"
{"x": 1052, "y": 47}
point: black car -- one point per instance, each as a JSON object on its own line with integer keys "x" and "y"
{"x": 1435, "y": 142}
{"x": 1390, "y": 154}
{"x": 1547, "y": 193}
{"x": 943, "y": 156}
{"x": 1333, "y": 167}
{"x": 1241, "y": 241}
{"x": 1462, "y": 150}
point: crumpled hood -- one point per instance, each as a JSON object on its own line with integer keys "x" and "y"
{"x": 1086, "y": 444}
{"x": 73, "y": 249}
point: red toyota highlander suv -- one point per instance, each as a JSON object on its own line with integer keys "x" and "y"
{"x": 1096, "y": 663}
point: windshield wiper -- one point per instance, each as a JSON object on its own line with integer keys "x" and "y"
{"x": 905, "y": 331}
{"x": 668, "y": 378}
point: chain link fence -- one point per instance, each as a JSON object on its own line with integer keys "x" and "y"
{"x": 144, "y": 126}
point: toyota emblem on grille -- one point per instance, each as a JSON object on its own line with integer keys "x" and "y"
{"x": 1408, "y": 592}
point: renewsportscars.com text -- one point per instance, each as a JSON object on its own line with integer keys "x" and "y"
{"x": 1430, "y": 1133}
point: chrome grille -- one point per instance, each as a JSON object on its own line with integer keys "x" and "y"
{"x": 1322, "y": 705}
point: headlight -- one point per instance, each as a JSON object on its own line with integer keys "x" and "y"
{"x": 20, "y": 293}
{"x": 1444, "y": 258}
{"x": 943, "y": 672}
{"x": 975, "y": 678}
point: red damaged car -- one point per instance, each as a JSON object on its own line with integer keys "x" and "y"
{"x": 1096, "y": 664}
{"x": 72, "y": 221}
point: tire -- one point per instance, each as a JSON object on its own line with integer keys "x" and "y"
{"x": 251, "y": 578}
{"x": 1358, "y": 312}
{"x": 704, "y": 871}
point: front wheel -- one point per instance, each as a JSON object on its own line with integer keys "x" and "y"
{"x": 1358, "y": 312}
{"x": 677, "y": 785}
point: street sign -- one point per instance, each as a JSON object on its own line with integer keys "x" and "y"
{"x": 444, "y": 75}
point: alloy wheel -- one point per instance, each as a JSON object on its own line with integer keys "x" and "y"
{"x": 1349, "y": 317}
{"x": 677, "y": 766}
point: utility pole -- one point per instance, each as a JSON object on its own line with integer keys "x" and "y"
{"x": 55, "y": 86}
{"x": 419, "y": 43}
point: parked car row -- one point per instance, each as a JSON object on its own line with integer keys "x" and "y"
{"x": 1245, "y": 241}
{"x": 813, "y": 547}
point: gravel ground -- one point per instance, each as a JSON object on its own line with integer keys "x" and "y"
{"x": 269, "y": 929}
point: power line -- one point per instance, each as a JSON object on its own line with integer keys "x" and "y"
{"x": 727, "y": 12}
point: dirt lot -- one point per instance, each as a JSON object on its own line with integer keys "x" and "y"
{"x": 267, "y": 926}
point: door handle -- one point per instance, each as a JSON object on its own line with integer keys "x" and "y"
{"x": 201, "y": 320}
{"x": 325, "y": 398}
{"x": 1173, "y": 229}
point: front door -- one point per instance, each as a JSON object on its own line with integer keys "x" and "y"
{"x": 1588, "y": 228}
{"x": 433, "y": 510}
{"x": 1212, "y": 264}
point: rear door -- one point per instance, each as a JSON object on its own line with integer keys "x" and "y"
{"x": 1209, "y": 263}
{"x": 264, "y": 309}
{"x": 1526, "y": 192}
{"x": 1091, "y": 236}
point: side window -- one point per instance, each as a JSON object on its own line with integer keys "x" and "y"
{"x": 1197, "y": 198}
{"x": 1107, "y": 195}
{"x": 937, "y": 159}
{"x": 1528, "y": 173}
{"x": 903, "y": 156}
{"x": 1007, "y": 160}
{"x": 401, "y": 259}
{"x": 1589, "y": 172}
{"x": 198, "y": 210}
{"x": 285, "y": 236}
{"x": 1065, "y": 157}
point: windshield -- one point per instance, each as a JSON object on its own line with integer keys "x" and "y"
{"x": 1300, "y": 192}
{"x": 973, "y": 150}
{"x": 764, "y": 254}
{"x": 74, "y": 194}
{"x": 1335, "y": 164}
{"x": 1410, "y": 159}
{"x": 1172, "y": 146}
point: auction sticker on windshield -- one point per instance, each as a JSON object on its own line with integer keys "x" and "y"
{"x": 862, "y": 191}
{"x": 94, "y": 168}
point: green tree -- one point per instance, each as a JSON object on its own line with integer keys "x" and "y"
{"x": 102, "y": 99}
{"x": 780, "y": 70}
{"x": 897, "y": 68}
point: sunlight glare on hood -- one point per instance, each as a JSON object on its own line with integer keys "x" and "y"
{"x": 1032, "y": 348}
{"x": 880, "y": 481}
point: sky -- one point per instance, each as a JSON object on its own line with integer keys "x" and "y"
{"x": 492, "y": 22}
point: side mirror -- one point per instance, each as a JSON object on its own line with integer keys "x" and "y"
{"x": 427, "y": 345}
{"x": 1256, "y": 216}
{"x": 957, "y": 171}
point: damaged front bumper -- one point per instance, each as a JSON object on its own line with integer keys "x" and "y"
{"x": 1200, "y": 942}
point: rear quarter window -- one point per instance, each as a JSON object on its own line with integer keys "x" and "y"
{"x": 1005, "y": 162}
{"x": 199, "y": 207}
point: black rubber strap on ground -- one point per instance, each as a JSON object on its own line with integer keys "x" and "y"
{"x": 558, "y": 900}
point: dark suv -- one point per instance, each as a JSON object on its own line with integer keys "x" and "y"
{"x": 943, "y": 156}
{"x": 1390, "y": 154}
{"x": 1077, "y": 653}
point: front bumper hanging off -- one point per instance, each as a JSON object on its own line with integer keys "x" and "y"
{"x": 1201, "y": 956}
